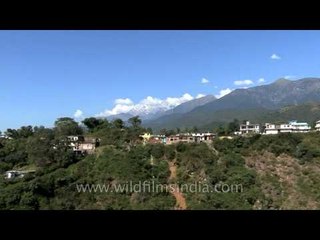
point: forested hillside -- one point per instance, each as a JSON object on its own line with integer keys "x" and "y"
{"x": 275, "y": 172}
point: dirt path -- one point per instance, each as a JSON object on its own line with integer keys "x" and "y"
{"x": 173, "y": 171}
{"x": 180, "y": 200}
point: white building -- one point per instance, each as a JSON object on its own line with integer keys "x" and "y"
{"x": 190, "y": 138}
{"x": 17, "y": 174}
{"x": 300, "y": 127}
{"x": 248, "y": 128}
{"x": 203, "y": 137}
{"x": 11, "y": 174}
{"x": 317, "y": 127}
{"x": 292, "y": 126}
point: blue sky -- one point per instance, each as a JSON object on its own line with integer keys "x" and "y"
{"x": 49, "y": 74}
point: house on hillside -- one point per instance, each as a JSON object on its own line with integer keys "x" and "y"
{"x": 83, "y": 145}
{"x": 247, "y": 128}
{"x": 149, "y": 138}
{"x": 17, "y": 174}
{"x": 181, "y": 137}
{"x": 88, "y": 145}
{"x": 159, "y": 139}
{"x": 190, "y": 138}
{"x": 292, "y": 126}
{"x": 203, "y": 137}
{"x": 300, "y": 127}
{"x": 12, "y": 174}
{"x": 317, "y": 127}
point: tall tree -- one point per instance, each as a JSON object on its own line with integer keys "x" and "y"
{"x": 25, "y": 131}
{"x": 67, "y": 126}
{"x": 118, "y": 123}
{"x": 163, "y": 131}
{"x": 93, "y": 123}
{"x": 135, "y": 121}
{"x": 12, "y": 133}
{"x": 39, "y": 149}
{"x": 233, "y": 126}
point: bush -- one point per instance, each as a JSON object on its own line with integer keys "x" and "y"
{"x": 181, "y": 147}
{"x": 157, "y": 150}
{"x": 232, "y": 159}
{"x": 4, "y": 167}
{"x": 170, "y": 152}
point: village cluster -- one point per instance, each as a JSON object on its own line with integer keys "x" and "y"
{"x": 87, "y": 145}
{"x": 246, "y": 128}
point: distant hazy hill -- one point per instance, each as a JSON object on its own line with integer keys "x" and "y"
{"x": 252, "y": 103}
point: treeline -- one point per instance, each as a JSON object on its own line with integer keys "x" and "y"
{"x": 48, "y": 147}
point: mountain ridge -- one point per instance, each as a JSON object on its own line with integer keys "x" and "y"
{"x": 276, "y": 95}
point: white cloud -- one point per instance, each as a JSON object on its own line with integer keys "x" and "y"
{"x": 223, "y": 92}
{"x": 145, "y": 106}
{"x": 290, "y": 77}
{"x": 123, "y": 101}
{"x": 204, "y": 81}
{"x": 242, "y": 82}
{"x": 78, "y": 114}
{"x": 261, "y": 80}
{"x": 275, "y": 57}
{"x": 200, "y": 95}
{"x": 119, "y": 108}
{"x": 151, "y": 101}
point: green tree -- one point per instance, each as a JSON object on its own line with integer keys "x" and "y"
{"x": 67, "y": 126}
{"x": 135, "y": 121}
{"x": 12, "y": 133}
{"x": 93, "y": 123}
{"x": 195, "y": 129}
{"x": 233, "y": 126}
{"x": 163, "y": 131}
{"x": 170, "y": 132}
{"x": 25, "y": 131}
{"x": 40, "y": 150}
{"x": 118, "y": 123}
{"x": 158, "y": 150}
{"x": 221, "y": 131}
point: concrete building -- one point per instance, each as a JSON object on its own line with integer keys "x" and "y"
{"x": 17, "y": 173}
{"x": 149, "y": 138}
{"x": 190, "y": 138}
{"x": 83, "y": 145}
{"x": 317, "y": 127}
{"x": 300, "y": 127}
{"x": 292, "y": 126}
{"x": 181, "y": 137}
{"x": 203, "y": 137}
{"x": 248, "y": 128}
